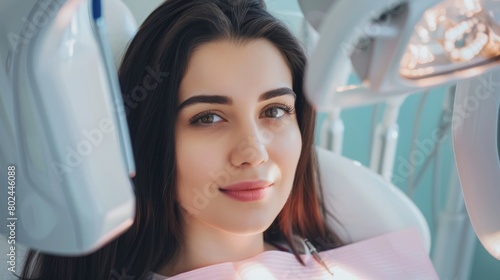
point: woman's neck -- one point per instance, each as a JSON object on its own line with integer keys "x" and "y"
{"x": 204, "y": 245}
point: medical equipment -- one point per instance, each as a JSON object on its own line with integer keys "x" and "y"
{"x": 316, "y": 256}
{"x": 380, "y": 47}
{"x": 476, "y": 138}
{"x": 65, "y": 137}
{"x": 404, "y": 47}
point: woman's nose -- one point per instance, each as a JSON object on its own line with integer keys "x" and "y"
{"x": 251, "y": 148}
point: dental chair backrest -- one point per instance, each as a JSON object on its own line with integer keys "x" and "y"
{"x": 364, "y": 204}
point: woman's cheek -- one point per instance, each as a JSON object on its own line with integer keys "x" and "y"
{"x": 288, "y": 144}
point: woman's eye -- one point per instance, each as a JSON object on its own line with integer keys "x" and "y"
{"x": 277, "y": 112}
{"x": 208, "y": 118}
{"x": 274, "y": 112}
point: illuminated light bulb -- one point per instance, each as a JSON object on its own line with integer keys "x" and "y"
{"x": 423, "y": 34}
{"x": 431, "y": 19}
{"x": 420, "y": 54}
{"x": 459, "y": 32}
{"x": 424, "y": 55}
{"x": 471, "y": 7}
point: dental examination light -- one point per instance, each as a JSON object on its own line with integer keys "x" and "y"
{"x": 406, "y": 47}
{"x": 66, "y": 159}
{"x": 398, "y": 47}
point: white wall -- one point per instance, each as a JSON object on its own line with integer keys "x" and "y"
{"x": 142, "y": 8}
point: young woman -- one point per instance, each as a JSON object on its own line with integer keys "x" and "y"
{"x": 223, "y": 145}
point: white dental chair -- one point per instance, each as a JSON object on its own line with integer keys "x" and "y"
{"x": 363, "y": 203}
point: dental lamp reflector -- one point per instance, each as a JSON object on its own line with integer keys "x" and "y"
{"x": 398, "y": 47}
{"x": 453, "y": 35}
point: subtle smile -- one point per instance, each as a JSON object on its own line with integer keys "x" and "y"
{"x": 247, "y": 191}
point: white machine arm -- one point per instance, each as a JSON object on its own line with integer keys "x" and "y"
{"x": 66, "y": 160}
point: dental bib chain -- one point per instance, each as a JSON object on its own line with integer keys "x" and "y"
{"x": 316, "y": 255}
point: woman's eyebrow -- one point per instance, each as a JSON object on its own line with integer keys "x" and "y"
{"x": 211, "y": 99}
{"x": 276, "y": 92}
{"x": 224, "y": 100}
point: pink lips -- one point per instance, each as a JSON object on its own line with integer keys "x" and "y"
{"x": 247, "y": 191}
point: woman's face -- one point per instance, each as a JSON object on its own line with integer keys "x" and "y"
{"x": 237, "y": 137}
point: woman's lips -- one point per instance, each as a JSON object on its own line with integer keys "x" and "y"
{"x": 247, "y": 191}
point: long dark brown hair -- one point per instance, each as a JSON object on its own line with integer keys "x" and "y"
{"x": 150, "y": 74}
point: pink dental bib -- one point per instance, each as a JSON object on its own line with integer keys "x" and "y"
{"x": 393, "y": 256}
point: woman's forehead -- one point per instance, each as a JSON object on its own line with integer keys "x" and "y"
{"x": 230, "y": 68}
